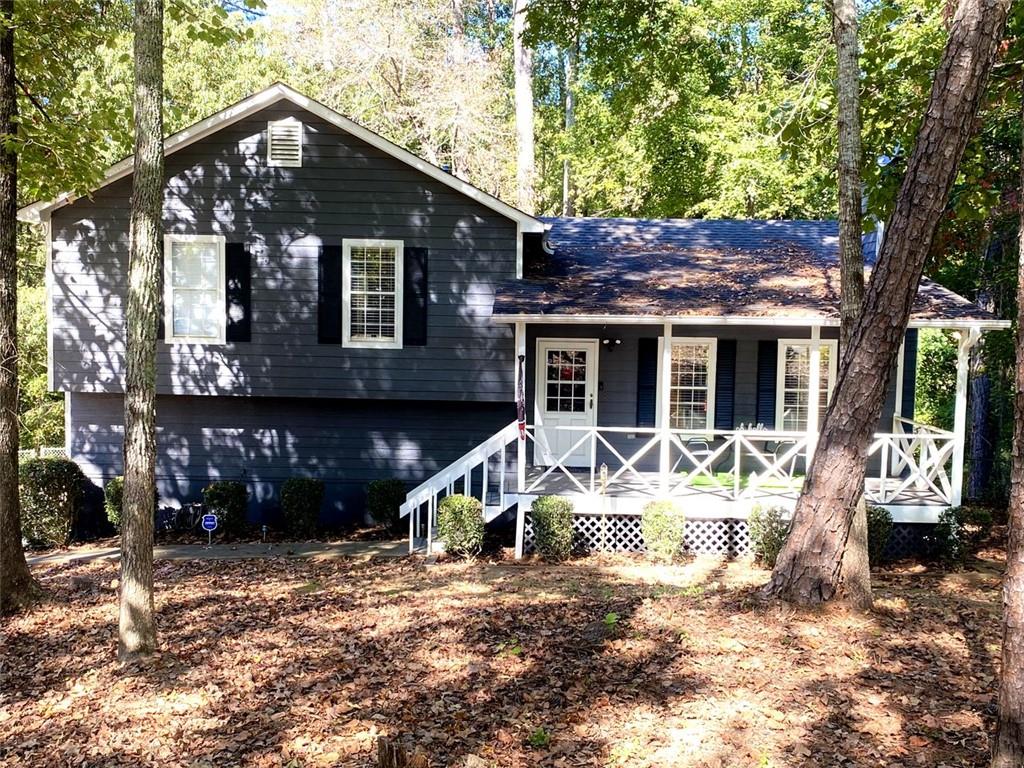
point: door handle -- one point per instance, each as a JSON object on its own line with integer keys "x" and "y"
{"x": 591, "y": 401}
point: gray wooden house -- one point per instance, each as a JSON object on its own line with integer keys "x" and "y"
{"x": 334, "y": 306}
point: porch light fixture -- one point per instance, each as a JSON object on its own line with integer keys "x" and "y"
{"x": 607, "y": 342}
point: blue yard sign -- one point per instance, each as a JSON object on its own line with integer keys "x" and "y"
{"x": 209, "y": 525}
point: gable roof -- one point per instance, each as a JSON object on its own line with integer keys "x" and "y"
{"x": 702, "y": 271}
{"x": 276, "y": 92}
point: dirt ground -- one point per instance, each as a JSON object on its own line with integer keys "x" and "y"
{"x": 600, "y": 662}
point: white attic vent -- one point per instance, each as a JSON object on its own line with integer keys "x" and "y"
{"x": 284, "y": 143}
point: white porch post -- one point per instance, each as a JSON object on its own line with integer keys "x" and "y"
{"x": 967, "y": 340}
{"x": 814, "y": 392}
{"x": 665, "y": 405}
{"x": 520, "y": 440}
{"x": 521, "y": 452}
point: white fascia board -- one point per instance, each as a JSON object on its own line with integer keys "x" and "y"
{"x": 821, "y": 322}
{"x": 32, "y": 213}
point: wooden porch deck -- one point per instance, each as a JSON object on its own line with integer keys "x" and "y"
{"x": 557, "y": 483}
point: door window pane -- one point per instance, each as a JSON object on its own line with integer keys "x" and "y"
{"x": 565, "y": 379}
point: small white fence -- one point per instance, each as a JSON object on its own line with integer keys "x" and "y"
{"x": 43, "y": 452}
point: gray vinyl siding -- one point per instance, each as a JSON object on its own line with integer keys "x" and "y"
{"x": 266, "y": 440}
{"x": 344, "y": 189}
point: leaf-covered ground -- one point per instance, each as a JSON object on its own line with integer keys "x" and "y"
{"x": 595, "y": 663}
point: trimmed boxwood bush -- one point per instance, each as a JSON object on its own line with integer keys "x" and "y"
{"x": 664, "y": 527}
{"x": 879, "y": 529}
{"x": 552, "y": 526}
{"x": 383, "y": 498}
{"x": 301, "y": 500}
{"x": 768, "y": 529}
{"x": 460, "y": 524}
{"x": 113, "y": 500}
{"x": 51, "y": 491}
{"x": 227, "y": 499}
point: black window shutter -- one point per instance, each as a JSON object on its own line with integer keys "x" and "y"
{"x": 725, "y": 384}
{"x": 647, "y": 382}
{"x": 909, "y": 373}
{"x": 415, "y": 298}
{"x": 767, "y": 369}
{"x": 329, "y": 298}
{"x": 160, "y": 331}
{"x": 238, "y": 266}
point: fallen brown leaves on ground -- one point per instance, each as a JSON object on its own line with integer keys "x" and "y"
{"x": 601, "y": 662}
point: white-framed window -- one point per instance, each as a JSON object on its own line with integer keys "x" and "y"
{"x": 372, "y": 293}
{"x": 792, "y": 394}
{"x": 194, "y": 285}
{"x": 284, "y": 143}
{"x": 691, "y": 383}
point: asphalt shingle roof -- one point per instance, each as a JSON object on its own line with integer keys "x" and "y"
{"x": 698, "y": 267}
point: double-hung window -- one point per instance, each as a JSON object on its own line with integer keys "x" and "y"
{"x": 194, "y": 287}
{"x": 794, "y": 384}
{"x": 692, "y": 384}
{"x": 372, "y": 293}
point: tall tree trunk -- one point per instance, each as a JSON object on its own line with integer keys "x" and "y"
{"x": 523, "y": 66}
{"x": 855, "y": 572}
{"x": 808, "y": 568}
{"x": 137, "y": 626}
{"x": 17, "y": 587}
{"x": 982, "y": 437}
{"x": 568, "y": 191}
{"x": 1008, "y": 751}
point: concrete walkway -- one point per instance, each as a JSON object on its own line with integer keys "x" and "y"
{"x": 235, "y": 551}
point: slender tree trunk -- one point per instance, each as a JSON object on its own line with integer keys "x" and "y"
{"x": 17, "y": 587}
{"x": 1008, "y": 750}
{"x": 523, "y": 65}
{"x": 808, "y": 568}
{"x": 568, "y": 191}
{"x": 137, "y": 625}
{"x": 855, "y": 572}
{"x": 982, "y": 437}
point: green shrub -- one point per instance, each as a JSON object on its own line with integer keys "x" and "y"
{"x": 113, "y": 500}
{"x": 664, "y": 527}
{"x": 301, "y": 499}
{"x": 227, "y": 499}
{"x": 552, "y": 526}
{"x": 383, "y": 498}
{"x": 768, "y": 531}
{"x": 879, "y": 529}
{"x": 51, "y": 491}
{"x": 959, "y": 531}
{"x": 460, "y": 524}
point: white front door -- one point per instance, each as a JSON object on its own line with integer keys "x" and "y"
{"x": 566, "y": 397}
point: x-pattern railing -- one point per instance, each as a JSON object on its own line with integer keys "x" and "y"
{"x": 761, "y": 462}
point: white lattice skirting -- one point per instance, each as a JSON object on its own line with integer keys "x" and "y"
{"x": 623, "y": 533}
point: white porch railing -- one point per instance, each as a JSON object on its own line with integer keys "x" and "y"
{"x": 472, "y": 474}
{"x": 911, "y": 464}
{"x": 913, "y": 461}
{"x": 43, "y": 452}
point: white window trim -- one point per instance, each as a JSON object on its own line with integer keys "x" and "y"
{"x": 780, "y": 373}
{"x": 270, "y": 143}
{"x": 712, "y": 343}
{"x": 346, "y": 291}
{"x": 169, "y": 336}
